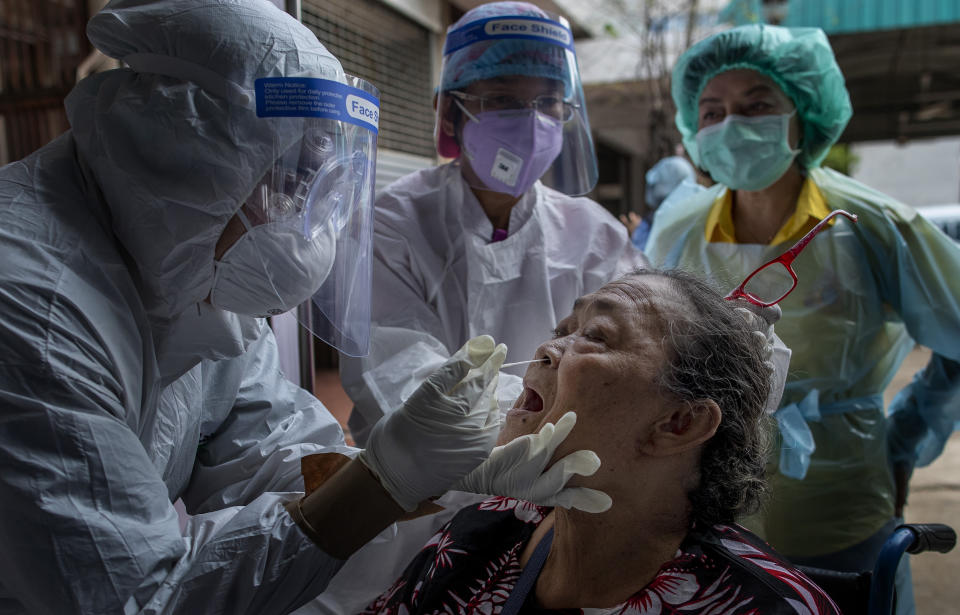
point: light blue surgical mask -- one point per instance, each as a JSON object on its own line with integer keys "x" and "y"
{"x": 747, "y": 153}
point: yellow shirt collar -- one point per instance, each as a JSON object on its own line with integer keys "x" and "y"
{"x": 811, "y": 208}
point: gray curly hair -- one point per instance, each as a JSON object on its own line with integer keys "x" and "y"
{"x": 711, "y": 354}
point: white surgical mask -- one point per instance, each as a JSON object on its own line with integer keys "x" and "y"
{"x": 272, "y": 268}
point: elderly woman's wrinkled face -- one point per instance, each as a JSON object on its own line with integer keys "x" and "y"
{"x": 748, "y": 93}
{"x": 604, "y": 361}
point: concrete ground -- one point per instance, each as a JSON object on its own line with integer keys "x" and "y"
{"x": 934, "y": 495}
{"x": 934, "y": 498}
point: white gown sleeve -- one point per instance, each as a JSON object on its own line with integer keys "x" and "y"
{"x": 90, "y": 518}
{"x": 262, "y": 425}
{"x": 374, "y": 568}
{"x": 409, "y": 340}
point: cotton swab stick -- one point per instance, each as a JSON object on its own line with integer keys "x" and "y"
{"x": 543, "y": 360}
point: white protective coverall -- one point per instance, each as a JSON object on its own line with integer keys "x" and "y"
{"x": 120, "y": 389}
{"x": 438, "y": 281}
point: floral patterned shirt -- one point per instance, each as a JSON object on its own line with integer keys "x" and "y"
{"x": 472, "y": 564}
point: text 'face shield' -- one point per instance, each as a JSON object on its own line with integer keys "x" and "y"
{"x": 511, "y": 105}
{"x": 318, "y": 195}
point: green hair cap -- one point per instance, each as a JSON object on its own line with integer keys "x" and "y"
{"x": 799, "y": 60}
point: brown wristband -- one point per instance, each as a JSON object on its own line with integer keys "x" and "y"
{"x": 296, "y": 512}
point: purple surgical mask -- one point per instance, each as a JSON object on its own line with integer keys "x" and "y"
{"x": 510, "y": 150}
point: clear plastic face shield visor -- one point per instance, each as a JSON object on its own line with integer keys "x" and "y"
{"x": 309, "y": 218}
{"x": 511, "y": 107}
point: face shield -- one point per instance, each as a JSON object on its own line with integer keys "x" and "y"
{"x": 307, "y": 222}
{"x": 511, "y": 105}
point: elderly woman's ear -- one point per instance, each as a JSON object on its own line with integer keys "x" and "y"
{"x": 683, "y": 427}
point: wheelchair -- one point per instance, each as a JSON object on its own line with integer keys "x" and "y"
{"x": 872, "y": 592}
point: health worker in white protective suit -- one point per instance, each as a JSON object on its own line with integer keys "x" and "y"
{"x": 197, "y": 190}
{"x": 482, "y": 244}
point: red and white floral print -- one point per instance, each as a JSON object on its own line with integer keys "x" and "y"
{"x": 811, "y": 599}
{"x": 669, "y": 588}
{"x": 472, "y": 566}
{"x": 487, "y": 595}
{"x": 524, "y": 511}
{"x": 680, "y": 593}
{"x": 383, "y": 605}
{"x": 442, "y": 543}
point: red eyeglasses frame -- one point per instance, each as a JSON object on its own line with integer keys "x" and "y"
{"x": 785, "y": 259}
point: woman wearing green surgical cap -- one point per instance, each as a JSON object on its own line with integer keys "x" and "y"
{"x": 758, "y": 108}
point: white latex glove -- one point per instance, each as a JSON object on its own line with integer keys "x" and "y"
{"x": 516, "y": 470}
{"x": 443, "y": 431}
{"x": 777, "y": 356}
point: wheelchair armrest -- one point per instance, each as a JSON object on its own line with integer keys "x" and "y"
{"x": 931, "y": 537}
{"x": 849, "y": 590}
{"x": 914, "y": 538}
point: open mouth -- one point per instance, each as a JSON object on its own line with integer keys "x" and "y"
{"x": 529, "y": 400}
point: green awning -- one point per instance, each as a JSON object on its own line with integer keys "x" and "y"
{"x": 847, "y": 16}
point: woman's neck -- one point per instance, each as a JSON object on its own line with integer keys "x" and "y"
{"x": 600, "y": 560}
{"x": 497, "y": 205}
{"x": 757, "y": 216}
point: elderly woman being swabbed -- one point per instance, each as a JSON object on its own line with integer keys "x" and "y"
{"x": 669, "y": 383}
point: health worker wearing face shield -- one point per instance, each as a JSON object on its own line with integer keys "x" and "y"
{"x": 496, "y": 241}
{"x": 758, "y": 108}
{"x": 224, "y": 175}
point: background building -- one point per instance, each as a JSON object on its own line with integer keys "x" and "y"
{"x": 899, "y": 57}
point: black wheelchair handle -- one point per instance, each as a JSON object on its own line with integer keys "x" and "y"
{"x": 931, "y": 537}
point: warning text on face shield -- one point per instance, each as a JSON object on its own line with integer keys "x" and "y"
{"x": 312, "y": 97}
{"x": 363, "y": 110}
{"x": 289, "y": 98}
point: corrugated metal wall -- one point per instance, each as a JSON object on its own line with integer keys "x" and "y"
{"x": 41, "y": 44}
{"x": 382, "y": 46}
{"x": 392, "y": 165}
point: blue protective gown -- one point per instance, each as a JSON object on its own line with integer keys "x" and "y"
{"x": 867, "y": 292}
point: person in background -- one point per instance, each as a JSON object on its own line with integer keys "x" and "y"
{"x": 758, "y": 107}
{"x": 481, "y": 244}
{"x": 661, "y": 180}
{"x": 140, "y": 251}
